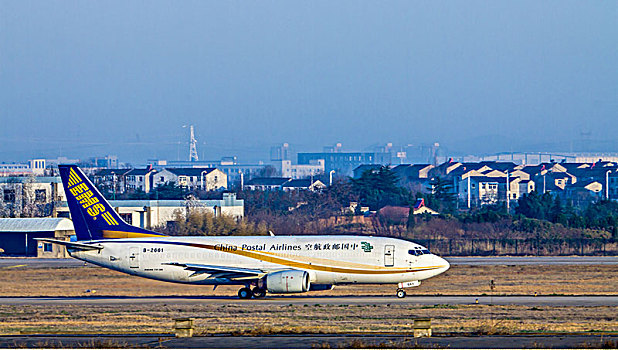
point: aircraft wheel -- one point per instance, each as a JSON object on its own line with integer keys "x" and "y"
{"x": 401, "y": 293}
{"x": 259, "y": 292}
{"x": 245, "y": 293}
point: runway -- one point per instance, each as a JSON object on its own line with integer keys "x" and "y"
{"x": 10, "y": 263}
{"x": 329, "y": 300}
{"x": 533, "y": 260}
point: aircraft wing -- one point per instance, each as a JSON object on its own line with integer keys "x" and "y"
{"x": 72, "y": 245}
{"x": 232, "y": 273}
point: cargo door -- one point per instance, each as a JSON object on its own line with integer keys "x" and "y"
{"x": 389, "y": 255}
{"x": 134, "y": 257}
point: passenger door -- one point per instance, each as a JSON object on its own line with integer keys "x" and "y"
{"x": 389, "y": 255}
{"x": 134, "y": 257}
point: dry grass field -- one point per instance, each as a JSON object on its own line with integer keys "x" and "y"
{"x": 459, "y": 280}
{"x": 266, "y": 319}
{"x": 286, "y": 319}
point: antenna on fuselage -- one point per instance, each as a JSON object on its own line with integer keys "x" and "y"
{"x": 271, "y": 233}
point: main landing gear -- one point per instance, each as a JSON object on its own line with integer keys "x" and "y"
{"x": 247, "y": 293}
{"x": 259, "y": 292}
{"x": 401, "y": 293}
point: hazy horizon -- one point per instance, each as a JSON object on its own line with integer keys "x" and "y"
{"x": 95, "y": 78}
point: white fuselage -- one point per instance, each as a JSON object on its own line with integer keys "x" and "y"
{"x": 327, "y": 259}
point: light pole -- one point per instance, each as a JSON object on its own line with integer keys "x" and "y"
{"x": 330, "y": 179}
{"x": 114, "y": 183}
{"x": 607, "y": 184}
{"x": 469, "y": 194}
{"x": 508, "y": 192}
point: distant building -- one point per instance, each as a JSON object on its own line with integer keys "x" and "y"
{"x": 140, "y": 179}
{"x": 106, "y": 162}
{"x": 519, "y": 187}
{"x": 414, "y": 177}
{"x": 228, "y": 165}
{"x": 343, "y": 163}
{"x": 583, "y": 192}
{"x": 280, "y": 153}
{"x": 35, "y": 167}
{"x": 283, "y": 183}
{"x": 482, "y": 190}
{"x": 535, "y": 158}
{"x": 301, "y": 171}
{"x": 303, "y": 185}
{"x": 111, "y": 180}
{"x": 149, "y": 214}
{"x": 266, "y": 183}
{"x": 205, "y": 179}
{"x": 29, "y": 195}
{"x": 17, "y": 236}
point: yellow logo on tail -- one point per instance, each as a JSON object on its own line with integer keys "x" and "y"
{"x": 86, "y": 198}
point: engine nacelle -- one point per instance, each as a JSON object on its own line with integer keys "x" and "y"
{"x": 288, "y": 281}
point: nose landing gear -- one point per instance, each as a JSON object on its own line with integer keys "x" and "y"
{"x": 401, "y": 292}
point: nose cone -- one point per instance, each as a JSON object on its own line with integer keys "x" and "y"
{"x": 444, "y": 265}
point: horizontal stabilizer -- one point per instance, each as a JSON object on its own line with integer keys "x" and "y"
{"x": 72, "y": 245}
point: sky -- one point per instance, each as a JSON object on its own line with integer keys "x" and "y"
{"x": 86, "y": 78}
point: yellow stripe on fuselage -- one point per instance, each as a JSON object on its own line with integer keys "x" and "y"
{"x": 370, "y": 270}
{"x": 123, "y": 234}
{"x": 305, "y": 263}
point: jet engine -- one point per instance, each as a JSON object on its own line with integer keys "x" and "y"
{"x": 288, "y": 281}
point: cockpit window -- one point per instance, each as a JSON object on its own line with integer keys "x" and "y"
{"x": 418, "y": 251}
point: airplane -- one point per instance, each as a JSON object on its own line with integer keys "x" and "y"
{"x": 259, "y": 264}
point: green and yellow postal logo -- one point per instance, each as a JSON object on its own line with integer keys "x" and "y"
{"x": 366, "y": 247}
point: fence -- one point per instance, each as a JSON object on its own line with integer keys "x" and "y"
{"x": 529, "y": 246}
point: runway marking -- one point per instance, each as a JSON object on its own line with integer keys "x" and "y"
{"x": 10, "y": 267}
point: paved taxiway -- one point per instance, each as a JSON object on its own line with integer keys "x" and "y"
{"x": 308, "y": 341}
{"x": 327, "y": 300}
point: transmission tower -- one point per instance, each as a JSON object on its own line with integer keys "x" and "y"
{"x": 193, "y": 147}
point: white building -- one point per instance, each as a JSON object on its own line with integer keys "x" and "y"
{"x": 519, "y": 186}
{"x": 34, "y": 167}
{"x": 151, "y": 213}
{"x": 207, "y": 179}
{"x": 481, "y": 190}
{"x": 266, "y": 183}
{"x": 283, "y": 183}
{"x": 29, "y": 195}
{"x": 140, "y": 179}
{"x": 303, "y": 185}
{"x": 301, "y": 171}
